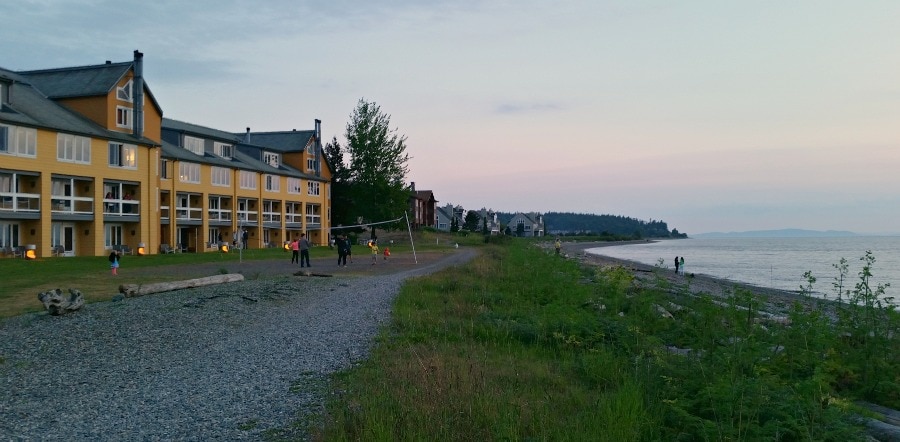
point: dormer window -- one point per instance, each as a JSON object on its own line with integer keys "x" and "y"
{"x": 124, "y": 92}
{"x": 123, "y": 117}
{"x": 194, "y": 145}
{"x": 272, "y": 159}
{"x": 223, "y": 150}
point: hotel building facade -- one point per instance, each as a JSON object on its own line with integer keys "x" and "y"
{"x": 88, "y": 164}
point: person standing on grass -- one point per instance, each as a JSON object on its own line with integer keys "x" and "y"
{"x": 558, "y": 245}
{"x": 114, "y": 262}
{"x": 676, "y": 265}
{"x": 304, "y": 250}
{"x": 374, "y": 247}
{"x": 295, "y": 251}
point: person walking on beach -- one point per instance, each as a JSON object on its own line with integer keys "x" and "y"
{"x": 304, "y": 245}
{"x": 295, "y": 250}
{"x": 682, "y": 265}
{"x": 676, "y": 265}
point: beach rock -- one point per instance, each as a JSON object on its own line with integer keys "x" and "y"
{"x": 58, "y": 304}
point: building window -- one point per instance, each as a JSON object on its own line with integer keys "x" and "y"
{"x": 123, "y": 117}
{"x": 122, "y": 155}
{"x": 272, "y": 159}
{"x": 223, "y": 150}
{"x": 20, "y": 141}
{"x": 273, "y": 183}
{"x": 313, "y": 216}
{"x": 312, "y": 188}
{"x": 248, "y": 180}
{"x": 221, "y": 176}
{"x": 194, "y": 145}
{"x": 164, "y": 168}
{"x": 113, "y": 236}
{"x": 124, "y": 92}
{"x": 311, "y": 164}
{"x": 294, "y": 185}
{"x": 75, "y": 149}
{"x": 189, "y": 172}
{"x": 9, "y": 234}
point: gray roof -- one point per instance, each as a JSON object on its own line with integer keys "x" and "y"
{"x": 29, "y": 106}
{"x": 283, "y": 141}
{"x": 82, "y": 81}
{"x": 202, "y": 131}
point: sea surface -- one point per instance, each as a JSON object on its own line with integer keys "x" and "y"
{"x": 775, "y": 262}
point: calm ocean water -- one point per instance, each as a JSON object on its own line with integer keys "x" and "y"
{"x": 774, "y": 262}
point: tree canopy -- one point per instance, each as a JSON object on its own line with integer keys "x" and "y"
{"x": 376, "y": 177}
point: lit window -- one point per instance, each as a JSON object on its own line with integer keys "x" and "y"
{"x": 123, "y": 155}
{"x": 189, "y": 172}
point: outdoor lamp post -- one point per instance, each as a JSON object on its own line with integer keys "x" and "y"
{"x": 30, "y": 251}
{"x": 142, "y": 249}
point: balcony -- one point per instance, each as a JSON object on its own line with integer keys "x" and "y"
{"x": 271, "y": 217}
{"x": 219, "y": 215}
{"x": 121, "y": 207}
{"x": 188, "y": 213}
{"x": 250, "y": 216}
{"x": 20, "y": 202}
{"x": 71, "y": 205}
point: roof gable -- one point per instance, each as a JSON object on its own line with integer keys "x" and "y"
{"x": 83, "y": 81}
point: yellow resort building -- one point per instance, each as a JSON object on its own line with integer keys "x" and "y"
{"x": 88, "y": 164}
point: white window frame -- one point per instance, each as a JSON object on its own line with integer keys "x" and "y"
{"x": 189, "y": 172}
{"x": 248, "y": 180}
{"x": 293, "y": 185}
{"x": 310, "y": 163}
{"x": 122, "y": 155}
{"x": 73, "y": 149}
{"x": 113, "y": 235}
{"x": 124, "y": 92}
{"x": 164, "y": 168}
{"x": 124, "y": 117}
{"x": 223, "y": 150}
{"x": 271, "y": 158}
{"x": 194, "y": 144}
{"x": 313, "y": 188}
{"x": 221, "y": 176}
{"x": 273, "y": 183}
{"x": 18, "y": 141}
{"x": 10, "y": 234}
{"x": 313, "y": 214}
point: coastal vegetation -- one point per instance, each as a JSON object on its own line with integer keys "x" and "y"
{"x": 567, "y": 223}
{"x": 523, "y": 345}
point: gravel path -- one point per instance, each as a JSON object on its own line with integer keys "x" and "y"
{"x": 236, "y": 361}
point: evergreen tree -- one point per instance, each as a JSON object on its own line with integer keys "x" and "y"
{"x": 471, "y": 221}
{"x": 484, "y": 227}
{"x": 377, "y": 165}
{"x": 340, "y": 184}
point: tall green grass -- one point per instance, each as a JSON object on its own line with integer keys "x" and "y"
{"x": 522, "y": 345}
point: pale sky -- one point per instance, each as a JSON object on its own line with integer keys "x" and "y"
{"x": 708, "y": 115}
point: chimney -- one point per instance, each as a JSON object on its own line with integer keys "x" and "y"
{"x": 137, "y": 92}
{"x": 412, "y": 186}
{"x": 318, "y": 147}
{"x": 247, "y": 137}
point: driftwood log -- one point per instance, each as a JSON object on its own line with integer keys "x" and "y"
{"x": 58, "y": 304}
{"x": 133, "y": 290}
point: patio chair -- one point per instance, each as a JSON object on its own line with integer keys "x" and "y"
{"x": 18, "y": 252}
{"x": 165, "y": 249}
{"x": 126, "y": 250}
{"x": 58, "y": 250}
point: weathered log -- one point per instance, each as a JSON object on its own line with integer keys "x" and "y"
{"x": 57, "y": 304}
{"x": 308, "y": 273}
{"x": 133, "y": 290}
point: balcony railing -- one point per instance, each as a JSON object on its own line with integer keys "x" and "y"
{"x": 72, "y": 205}
{"x": 188, "y": 213}
{"x": 164, "y": 212}
{"x": 247, "y": 215}
{"x": 219, "y": 215}
{"x": 20, "y": 202}
{"x": 293, "y": 218}
{"x": 271, "y": 217}
{"x": 113, "y": 206}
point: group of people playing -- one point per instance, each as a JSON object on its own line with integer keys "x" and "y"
{"x": 300, "y": 251}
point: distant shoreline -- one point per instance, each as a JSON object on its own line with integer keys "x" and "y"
{"x": 696, "y": 283}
